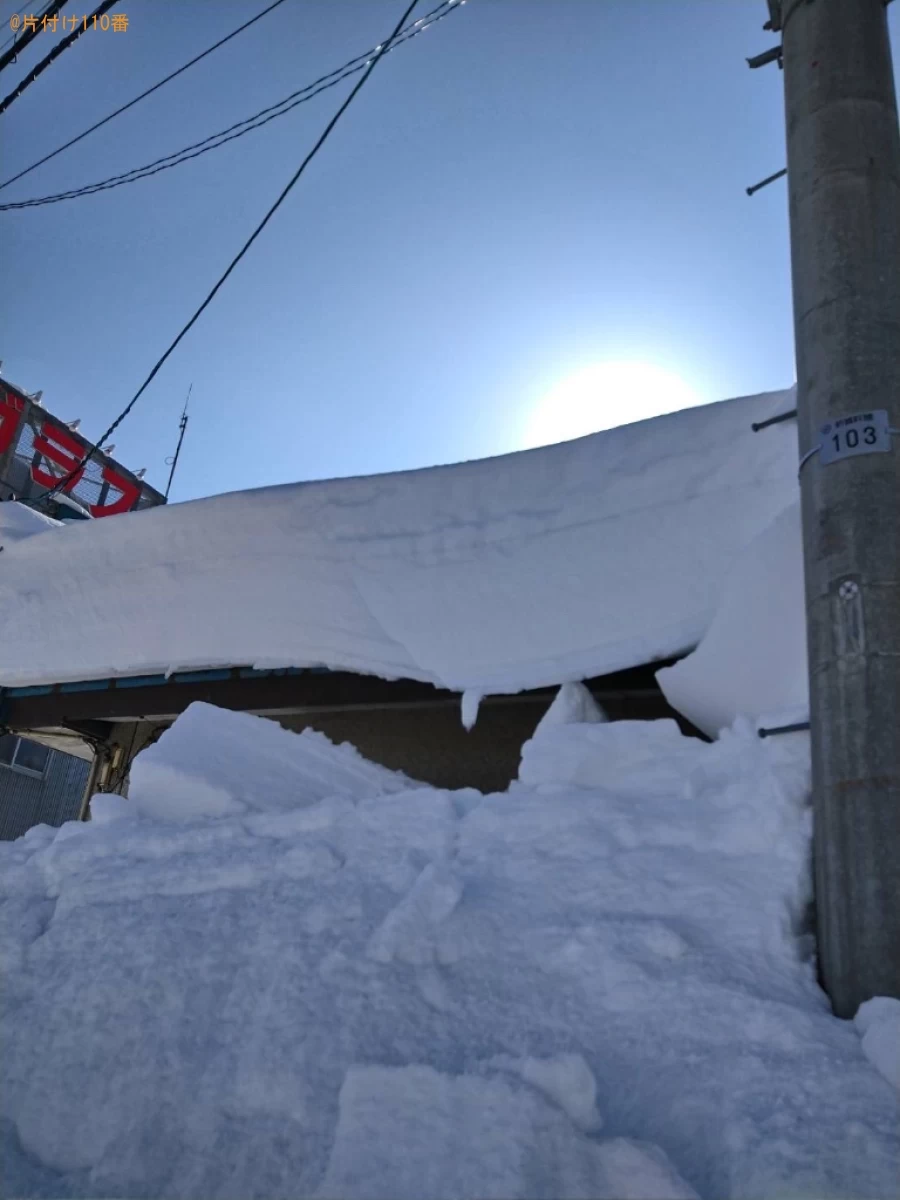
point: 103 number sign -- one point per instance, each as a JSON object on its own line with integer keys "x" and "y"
{"x": 860, "y": 433}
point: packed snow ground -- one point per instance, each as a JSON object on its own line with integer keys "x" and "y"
{"x": 277, "y": 970}
{"x": 522, "y": 571}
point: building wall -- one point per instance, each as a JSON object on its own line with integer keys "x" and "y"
{"x": 50, "y": 799}
{"x": 426, "y": 741}
{"x": 430, "y": 744}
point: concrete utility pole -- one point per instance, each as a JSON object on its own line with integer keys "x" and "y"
{"x": 843, "y": 151}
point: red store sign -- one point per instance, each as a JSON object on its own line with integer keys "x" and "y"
{"x": 55, "y": 443}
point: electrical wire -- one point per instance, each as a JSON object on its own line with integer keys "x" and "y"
{"x": 240, "y": 128}
{"x": 12, "y": 37}
{"x": 54, "y": 54}
{"x": 21, "y": 13}
{"x": 30, "y": 34}
{"x": 149, "y": 91}
{"x": 323, "y": 137}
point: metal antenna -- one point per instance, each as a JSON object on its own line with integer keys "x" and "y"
{"x": 182, "y": 426}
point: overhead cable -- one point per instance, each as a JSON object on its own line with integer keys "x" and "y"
{"x": 148, "y": 92}
{"x": 55, "y": 53}
{"x": 30, "y": 34}
{"x": 323, "y": 137}
{"x": 352, "y": 67}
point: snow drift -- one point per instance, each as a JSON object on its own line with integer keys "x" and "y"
{"x": 521, "y": 571}
{"x": 595, "y": 985}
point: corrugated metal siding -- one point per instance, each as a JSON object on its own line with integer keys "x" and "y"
{"x": 53, "y": 799}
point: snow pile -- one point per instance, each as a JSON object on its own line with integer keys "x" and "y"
{"x": 509, "y": 573}
{"x": 573, "y": 704}
{"x": 200, "y": 768}
{"x": 599, "y": 990}
{"x": 411, "y": 1132}
{"x": 878, "y": 1022}
{"x": 752, "y": 661}
{"x": 18, "y": 521}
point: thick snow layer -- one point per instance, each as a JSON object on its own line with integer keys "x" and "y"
{"x": 600, "y": 991}
{"x": 493, "y": 576}
{"x": 752, "y": 660}
{"x": 18, "y": 521}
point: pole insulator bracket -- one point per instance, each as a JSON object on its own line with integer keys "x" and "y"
{"x": 785, "y": 416}
{"x": 798, "y": 728}
{"x": 765, "y": 182}
{"x": 767, "y": 56}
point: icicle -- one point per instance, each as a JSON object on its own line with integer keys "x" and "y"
{"x": 471, "y": 699}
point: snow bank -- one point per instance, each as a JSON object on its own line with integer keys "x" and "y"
{"x": 600, "y": 992}
{"x": 752, "y": 659}
{"x": 494, "y": 576}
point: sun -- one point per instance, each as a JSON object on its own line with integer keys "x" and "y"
{"x": 604, "y": 395}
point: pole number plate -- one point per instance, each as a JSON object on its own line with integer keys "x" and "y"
{"x": 860, "y": 433}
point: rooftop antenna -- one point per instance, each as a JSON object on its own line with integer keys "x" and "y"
{"x": 182, "y": 426}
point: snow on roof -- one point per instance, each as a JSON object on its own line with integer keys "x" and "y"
{"x": 496, "y": 575}
{"x": 67, "y": 502}
{"x": 18, "y": 521}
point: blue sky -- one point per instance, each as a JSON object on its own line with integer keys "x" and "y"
{"x": 527, "y": 189}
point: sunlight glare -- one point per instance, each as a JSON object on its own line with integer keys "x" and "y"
{"x": 604, "y": 395}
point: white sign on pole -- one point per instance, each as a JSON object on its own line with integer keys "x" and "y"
{"x": 860, "y": 433}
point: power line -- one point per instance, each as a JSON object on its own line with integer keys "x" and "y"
{"x": 256, "y": 121}
{"x": 247, "y": 125}
{"x": 61, "y": 483}
{"x": 54, "y": 54}
{"x": 21, "y": 13}
{"x": 143, "y": 95}
{"x": 12, "y": 37}
{"x": 30, "y": 34}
